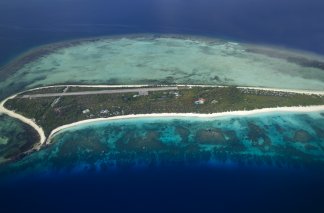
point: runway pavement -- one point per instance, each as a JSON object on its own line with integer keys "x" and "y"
{"x": 140, "y": 91}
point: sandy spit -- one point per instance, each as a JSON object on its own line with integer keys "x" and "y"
{"x": 28, "y": 121}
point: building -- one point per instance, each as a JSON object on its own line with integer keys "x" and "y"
{"x": 200, "y": 101}
{"x": 106, "y": 111}
{"x": 85, "y": 111}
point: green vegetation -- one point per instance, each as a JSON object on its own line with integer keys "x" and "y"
{"x": 16, "y": 138}
{"x": 75, "y": 108}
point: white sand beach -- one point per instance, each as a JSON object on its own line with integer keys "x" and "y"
{"x": 43, "y": 139}
{"x": 213, "y": 115}
{"x": 28, "y": 121}
{"x": 307, "y": 92}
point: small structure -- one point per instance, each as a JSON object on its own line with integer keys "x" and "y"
{"x": 85, "y": 111}
{"x": 214, "y": 102}
{"x": 200, "y": 101}
{"x": 104, "y": 111}
{"x": 57, "y": 110}
{"x": 176, "y": 94}
{"x": 143, "y": 92}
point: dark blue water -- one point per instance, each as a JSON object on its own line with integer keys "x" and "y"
{"x": 268, "y": 163}
{"x": 173, "y": 190}
{"x": 291, "y": 23}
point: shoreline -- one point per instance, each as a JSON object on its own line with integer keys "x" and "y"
{"x": 34, "y": 53}
{"x": 30, "y": 122}
{"x": 46, "y": 140}
{"x": 306, "y": 92}
{"x": 300, "y": 109}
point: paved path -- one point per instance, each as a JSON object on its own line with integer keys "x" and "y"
{"x": 141, "y": 91}
{"x": 59, "y": 98}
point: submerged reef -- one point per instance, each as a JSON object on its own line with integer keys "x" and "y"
{"x": 262, "y": 141}
{"x": 161, "y": 59}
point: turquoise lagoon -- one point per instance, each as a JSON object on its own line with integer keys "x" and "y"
{"x": 273, "y": 159}
{"x": 272, "y": 140}
{"x": 149, "y": 59}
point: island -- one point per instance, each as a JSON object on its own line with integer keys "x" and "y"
{"x": 60, "y": 85}
{"x": 54, "y": 108}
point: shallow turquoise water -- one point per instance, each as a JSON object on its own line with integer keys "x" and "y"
{"x": 146, "y": 59}
{"x": 290, "y": 23}
{"x": 287, "y": 141}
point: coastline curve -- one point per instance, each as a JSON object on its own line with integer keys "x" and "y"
{"x": 28, "y": 121}
{"x": 47, "y": 140}
{"x": 299, "y": 109}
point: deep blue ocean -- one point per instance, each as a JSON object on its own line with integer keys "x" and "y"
{"x": 266, "y": 163}
{"x": 290, "y": 23}
{"x": 295, "y": 24}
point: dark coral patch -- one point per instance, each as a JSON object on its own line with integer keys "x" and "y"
{"x": 210, "y": 136}
{"x": 258, "y": 137}
{"x": 302, "y": 136}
